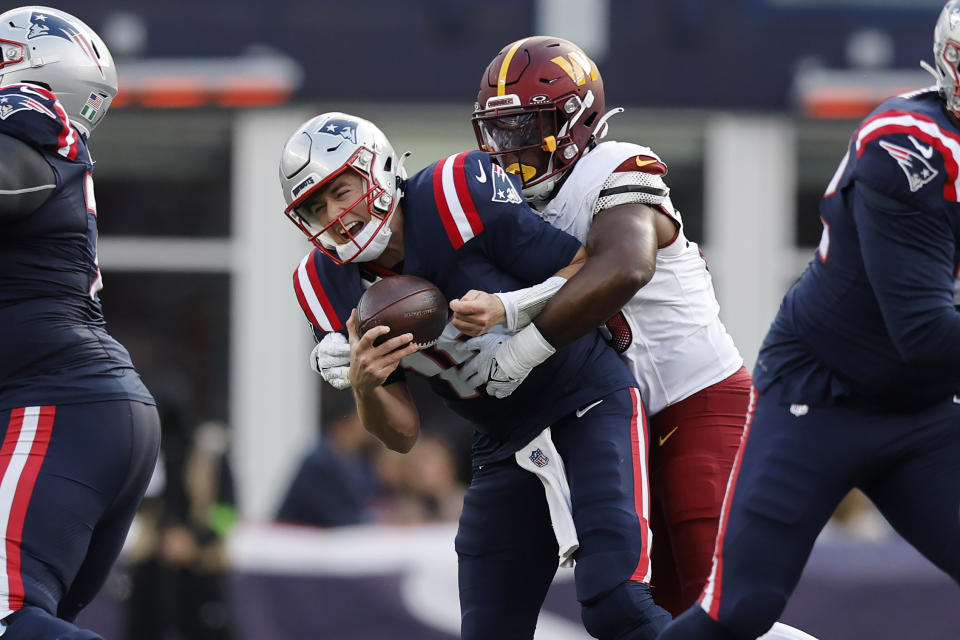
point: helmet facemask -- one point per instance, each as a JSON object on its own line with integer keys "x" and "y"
{"x": 530, "y": 141}
{"x": 347, "y": 238}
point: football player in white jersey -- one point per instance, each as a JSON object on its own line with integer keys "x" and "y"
{"x": 540, "y": 112}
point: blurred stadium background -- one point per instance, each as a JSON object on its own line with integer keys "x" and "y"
{"x": 750, "y": 103}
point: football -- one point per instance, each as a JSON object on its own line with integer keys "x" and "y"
{"x": 406, "y": 304}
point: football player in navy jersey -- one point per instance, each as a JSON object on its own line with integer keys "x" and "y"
{"x": 857, "y": 381}
{"x": 559, "y": 465}
{"x": 80, "y": 430}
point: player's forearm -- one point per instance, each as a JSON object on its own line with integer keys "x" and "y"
{"x": 622, "y": 249}
{"x": 389, "y": 413}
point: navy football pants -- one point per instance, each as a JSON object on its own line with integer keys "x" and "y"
{"x": 506, "y": 546}
{"x": 72, "y": 479}
{"x": 795, "y": 465}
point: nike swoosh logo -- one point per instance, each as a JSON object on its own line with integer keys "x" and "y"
{"x": 583, "y": 411}
{"x": 956, "y": 399}
{"x": 925, "y": 151}
{"x": 643, "y": 163}
{"x": 483, "y": 174}
{"x": 663, "y": 439}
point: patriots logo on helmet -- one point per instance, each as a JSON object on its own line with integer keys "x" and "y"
{"x": 343, "y": 128}
{"x": 537, "y": 458}
{"x": 917, "y": 169}
{"x": 11, "y": 104}
{"x": 503, "y": 190}
{"x": 45, "y": 24}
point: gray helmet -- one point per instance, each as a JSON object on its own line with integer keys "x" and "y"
{"x": 49, "y": 47}
{"x": 946, "y": 55}
{"x": 320, "y": 150}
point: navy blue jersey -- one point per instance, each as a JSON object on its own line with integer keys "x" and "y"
{"x": 466, "y": 227}
{"x": 873, "y": 316}
{"x": 54, "y": 348}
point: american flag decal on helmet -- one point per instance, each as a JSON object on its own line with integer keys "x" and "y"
{"x": 537, "y": 458}
{"x": 92, "y": 106}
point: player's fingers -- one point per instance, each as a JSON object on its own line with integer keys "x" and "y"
{"x": 366, "y": 340}
{"x": 394, "y": 343}
{"x": 352, "y": 326}
{"x": 466, "y": 327}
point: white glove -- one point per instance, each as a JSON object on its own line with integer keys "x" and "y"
{"x": 505, "y": 364}
{"x": 476, "y": 370}
{"x": 331, "y": 359}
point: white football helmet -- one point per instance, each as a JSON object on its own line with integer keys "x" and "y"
{"x": 320, "y": 150}
{"x": 946, "y": 55}
{"x": 52, "y": 48}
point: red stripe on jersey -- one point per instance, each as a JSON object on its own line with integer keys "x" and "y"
{"x": 445, "y": 216}
{"x": 303, "y": 300}
{"x": 644, "y": 163}
{"x": 949, "y": 160}
{"x": 326, "y": 307}
{"x": 463, "y": 194}
{"x": 12, "y": 550}
{"x": 23, "y": 492}
{"x": 638, "y": 422}
{"x": 715, "y": 582}
{"x": 67, "y": 138}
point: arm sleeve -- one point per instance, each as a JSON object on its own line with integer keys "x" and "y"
{"x": 908, "y": 256}
{"x": 26, "y": 179}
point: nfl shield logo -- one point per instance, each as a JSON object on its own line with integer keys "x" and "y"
{"x": 537, "y": 458}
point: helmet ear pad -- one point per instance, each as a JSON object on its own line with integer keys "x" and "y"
{"x": 53, "y": 49}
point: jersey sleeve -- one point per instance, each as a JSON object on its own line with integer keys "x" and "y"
{"x": 327, "y": 293}
{"x": 35, "y": 116}
{"x": 908, "y": 258}
{"x": 481, "y": 204}
{"x": 907, "y": 157}
{"x": 637, "y": 180}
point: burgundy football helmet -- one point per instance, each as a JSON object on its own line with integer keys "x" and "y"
{"x": 540, "y": 107}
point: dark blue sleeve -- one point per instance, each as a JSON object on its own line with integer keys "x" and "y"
{"x": 34, "y": 115}
{"x": 908, "y": 257}
{"x": 515, "y": 238}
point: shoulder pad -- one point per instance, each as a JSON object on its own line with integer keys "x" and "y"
{"x": 901, "y": 153}
{"x": 34, "y": 115}
{"x": 644, "y": 163}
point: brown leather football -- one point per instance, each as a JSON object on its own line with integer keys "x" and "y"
{"x": 406, "y": 304}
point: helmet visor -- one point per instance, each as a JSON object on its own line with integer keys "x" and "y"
{"x": 509, "y": 132}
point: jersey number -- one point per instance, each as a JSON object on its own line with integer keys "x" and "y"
{"x": 442, "y": 361}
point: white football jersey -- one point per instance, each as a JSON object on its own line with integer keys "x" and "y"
{"x": 675, "y": 342}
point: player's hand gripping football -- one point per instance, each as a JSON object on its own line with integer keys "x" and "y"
{"x": 331, "y": 359}
{"x": 371, "y": 365}
{"x": 477, "y": 312}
